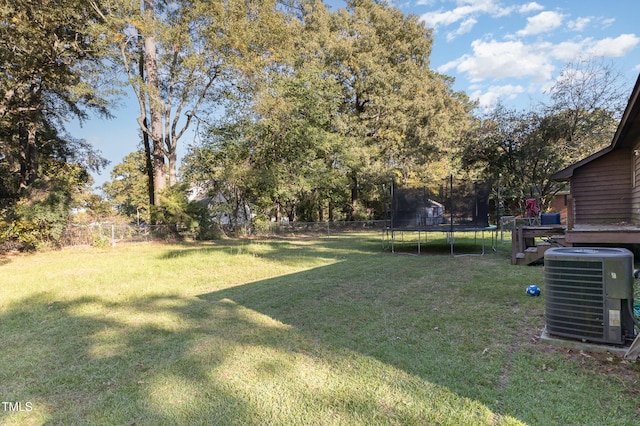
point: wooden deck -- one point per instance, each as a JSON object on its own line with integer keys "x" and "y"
{"x": 528, "y": 243}
{"x": 603, "y": 234}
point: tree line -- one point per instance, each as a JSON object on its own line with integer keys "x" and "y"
{"x": 302, "y": 112}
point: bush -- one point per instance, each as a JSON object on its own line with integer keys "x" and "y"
{"x": 194, "y": 217}
{"x": 262, "y": 225}
{"x": 37, "y": 221}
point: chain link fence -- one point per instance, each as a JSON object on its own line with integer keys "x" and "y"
{"x": 111, "y": 234}
{"x": 325, "y": 228}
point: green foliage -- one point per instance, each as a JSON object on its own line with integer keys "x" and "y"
{"x": 47, "y": 58}
{"x": 39, "y": 218}
{"x": 177, "y": 211}
{"x": 36, "y": 226}
{"x": 322, "y": 109}
{"x": 128, "y": 189}
{"x": 523, "y": 149}
{"x": 99, "y": 240}
{"x": 95, "y": 209}
{"x": 262, "y": 225}
{"x": 180, "y": 59}
{"x": 351, "y": 104}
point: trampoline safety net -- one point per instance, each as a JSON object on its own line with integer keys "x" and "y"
{"x": 460, "y": 205}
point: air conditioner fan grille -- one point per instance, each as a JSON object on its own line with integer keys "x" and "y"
{"x": 575, "y": 305}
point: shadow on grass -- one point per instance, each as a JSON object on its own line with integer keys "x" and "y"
{"x": 454, "y": 322}
{"x": 401, "y": 315}
{"x": 285, "y": 250}
{"x": 169, "y": 360}
{"x": 89, "y": 361}
{"x": 370, "y": 339}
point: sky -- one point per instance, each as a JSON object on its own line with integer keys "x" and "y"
{"x": 513, "y": 50}
{"x": 497, "y": 50}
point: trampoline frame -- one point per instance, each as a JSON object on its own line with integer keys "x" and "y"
{"x": 389, "y": 234}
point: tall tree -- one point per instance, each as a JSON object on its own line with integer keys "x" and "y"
{"x": 127, "y": 190}
{"x": 351, "y": 105}
{"x": 586, "y": 101}
{"x": 189, "y": 52}
{"x": 45, "y": 53}
{"x": 518, "y": 149}
{"x": 397, "y": 110}
{"x": 525, "y": 148}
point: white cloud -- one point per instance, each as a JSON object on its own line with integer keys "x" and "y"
{"x": 614, "y": 47}
{"x": 565, "y": 50}
{"x": 468, "y": 11}
{"x": 464, "y": 28}
{"x": 492, "y": 60}
{"x": 498, "y": 60}
{"x": 502, "y": 60}
{"x": 436, "y": 19}
{"x": 530, "y": 7}
{"x": 607, "y": 22}
{"x": 580, "y": 24}
{"x": 542, "y": 22}
{"x": 465, "y": 10}
{"x": 494, "y": 94}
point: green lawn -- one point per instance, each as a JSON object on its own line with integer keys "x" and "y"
{"x": 291, "y": 332}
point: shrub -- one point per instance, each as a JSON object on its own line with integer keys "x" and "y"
{"x": 37, "y": 221}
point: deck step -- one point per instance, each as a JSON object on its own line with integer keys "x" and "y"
{"x": 529, "y": 243}
{"x": 533, "y": 254}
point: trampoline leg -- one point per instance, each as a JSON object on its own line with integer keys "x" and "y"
{"x": 393, "y": 240}
{"x": 451, "y": 241}
{"x": 494, "y": 240}
{"x": 475, "y": 239}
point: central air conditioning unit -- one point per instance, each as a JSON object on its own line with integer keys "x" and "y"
{"x": 589, "y": 293}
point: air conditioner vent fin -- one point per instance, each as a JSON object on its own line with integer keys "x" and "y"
{"x": 584, "y": 288}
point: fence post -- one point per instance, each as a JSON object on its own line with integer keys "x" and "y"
{"x": 113, "y": 235}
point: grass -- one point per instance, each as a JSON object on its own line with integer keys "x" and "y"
{"x": 309, "y": 331}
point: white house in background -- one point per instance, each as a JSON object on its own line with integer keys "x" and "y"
{"x": 431, "y": 214}
{"x": 223, "y": 211}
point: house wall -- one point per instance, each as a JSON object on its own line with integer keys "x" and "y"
{"x": 560, "y": 204}
{"x": 635, "y": 184}
{"x": 602, "y": 190}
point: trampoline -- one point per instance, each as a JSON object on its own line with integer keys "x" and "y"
{"x": 452, "y": 207}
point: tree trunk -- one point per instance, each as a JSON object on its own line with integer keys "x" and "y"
{"x": 146, "y": 142}
{"x": 28, "y": 149}
{"x": 148, "y": 159}
{"x": 155, "y": 109}
{"x": 172, "y": 157}
{"x": 354, "y": 196}
{"x": 320, "y": 211}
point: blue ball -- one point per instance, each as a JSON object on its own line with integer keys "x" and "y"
{"x": 533, "y": 290}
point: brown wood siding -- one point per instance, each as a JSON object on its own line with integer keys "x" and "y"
{"x": 635, "y": 189}
{"x": 602, "y": 190}
{"x": 559, "y": 204}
